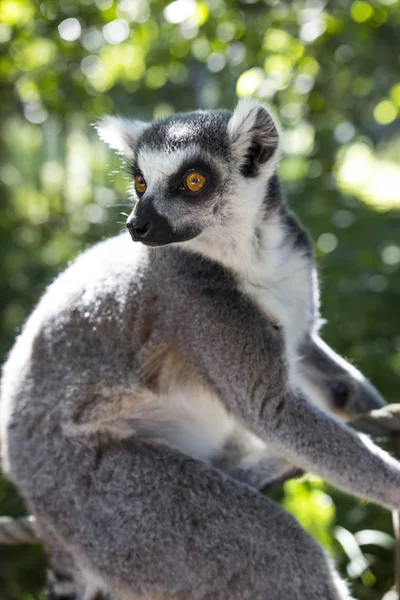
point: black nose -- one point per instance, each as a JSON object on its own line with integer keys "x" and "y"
{"x": 137, "y": 229}
{"x": 148, "y": 226}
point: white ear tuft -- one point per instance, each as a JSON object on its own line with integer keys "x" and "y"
{"x": 254, "y": 135}
{"x": 121, "y": 134}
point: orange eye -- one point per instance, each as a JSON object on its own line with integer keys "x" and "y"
{"x": 140, "y": 184}
{"x": 194, "y": 182}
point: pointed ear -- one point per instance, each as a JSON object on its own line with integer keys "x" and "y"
{"x": 254, "y": 137}
{"x": 121, "y": 134}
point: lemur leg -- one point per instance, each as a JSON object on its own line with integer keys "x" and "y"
{"x": 65, "y": 585}
{"x": 152, "y": 523}
{"x": 65, "y": 580}
{"x": 244, "y": 457}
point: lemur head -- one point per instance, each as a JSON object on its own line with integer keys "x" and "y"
{"x": 195, "y": 171}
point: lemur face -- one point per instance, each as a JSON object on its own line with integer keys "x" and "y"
{"x": 194, "y": 171}
{"x": 180, "y": 170}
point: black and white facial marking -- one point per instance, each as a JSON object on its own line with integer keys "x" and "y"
{"x": 232, "y": 154}
{"x": 176, "y": 204}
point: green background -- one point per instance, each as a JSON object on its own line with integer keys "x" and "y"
{"x": 331, "y": 72}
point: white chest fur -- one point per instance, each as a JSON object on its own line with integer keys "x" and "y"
{"x": 282, "y": 282}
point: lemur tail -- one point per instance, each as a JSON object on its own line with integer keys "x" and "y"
{"x": 18, "y": 531}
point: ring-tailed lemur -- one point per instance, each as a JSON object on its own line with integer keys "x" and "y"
{"x": 131, "y": 377}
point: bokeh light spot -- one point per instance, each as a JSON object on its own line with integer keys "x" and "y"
{"x": 52, "y": 174}
{"x": 361, "y": 11}
{"x": 201, "y": 48}
{"x": 312, "y": 30}
{"x": 138, "y": 11}
{"x": 395, "y": 94}
{"x": 276, "y": 40}
{"x": 189, "y": 29}
{"x": 156, "y": 77}
{"x": 162, "y": 110}
{"x": 116, "y": 32}
{"x": 249, "y": 82}
{"x": 201, "y": 14}
{"x": 344, "y": 53}
{"x": 344, "y": 132}
{"x": 69, "y": 29}
{"x": 5, "y": 33}
{"x": 35, "y": 113}
{"x": 91, "y": 65}
{"x": 391, "y": 254}
{"x": 377, "y": 283}
{"x": 299, "y": 140}
{"x": 304, "y": 83}
{"x": 343, "y": 218}
{"x": 385, "y": 112}
{"x": 226, "y": 31}
{"x": 179, "y": 11}
{"x": 92, "y": 39}
{"x": 104, "y": 4}
{"x": 374, "y": 180}
{"x": 216, "y": 62}
{"x": 14, "y": 12}
{"x": 327, "y": 242}
{"x": 94, "y": 213}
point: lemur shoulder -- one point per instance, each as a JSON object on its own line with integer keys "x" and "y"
{"x": 148, "y": 369}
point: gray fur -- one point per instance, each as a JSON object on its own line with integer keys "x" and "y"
{"x": 82, "y": 342}
{"x": 178, "y": 526}
{"x": 92, "y": 426}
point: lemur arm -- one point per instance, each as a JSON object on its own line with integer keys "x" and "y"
{"x": 316, "y": 442}
{"x": 242, "y": 354}
{"x": 330, "y": 382}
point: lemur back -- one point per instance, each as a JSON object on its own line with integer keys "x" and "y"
{"x": 147, "y": 370}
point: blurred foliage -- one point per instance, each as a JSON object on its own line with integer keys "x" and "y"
{"x": 331, "y": 71}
